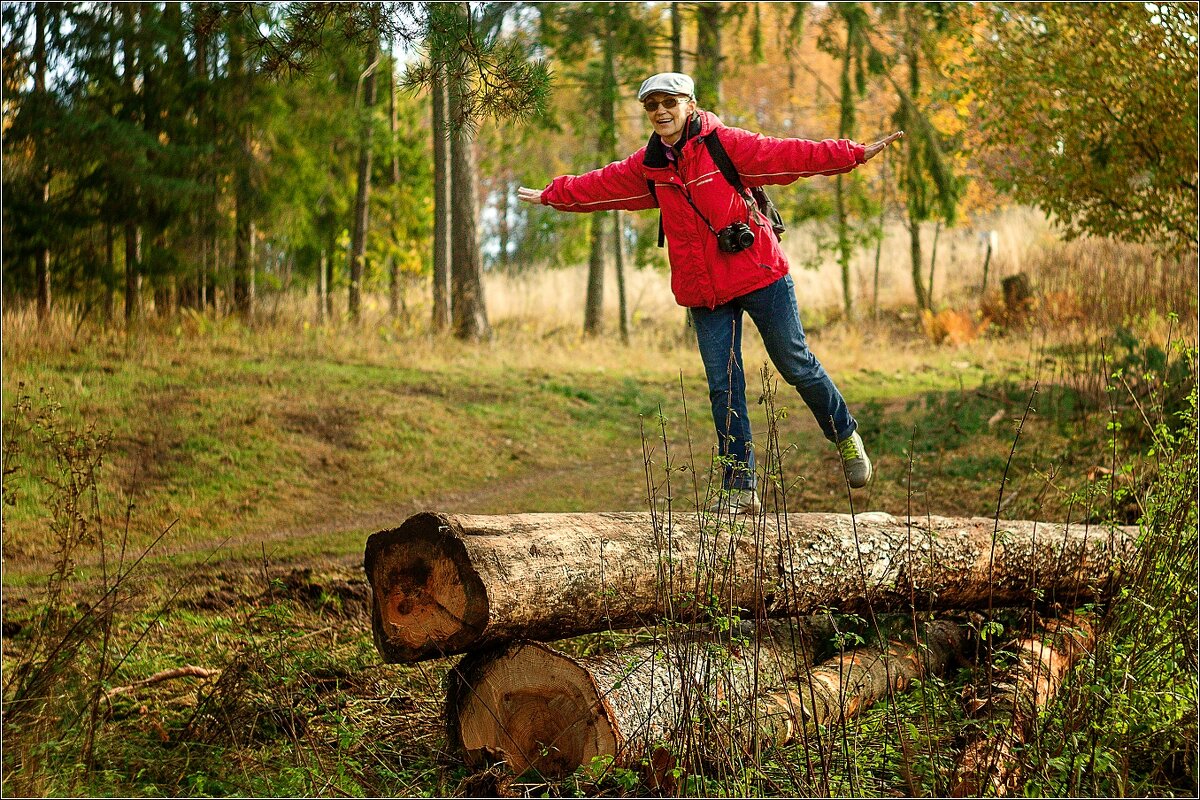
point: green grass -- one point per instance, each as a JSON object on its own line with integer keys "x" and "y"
{"x": 236, "y": 436}
{"x": 233, "y": 445}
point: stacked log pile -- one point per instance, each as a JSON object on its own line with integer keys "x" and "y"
{"x": 619, "y": 702}
{"x": 497, "y": 587}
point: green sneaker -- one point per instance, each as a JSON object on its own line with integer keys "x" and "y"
{"x": 736, "y": 501}
{"x": 855, "y": 462}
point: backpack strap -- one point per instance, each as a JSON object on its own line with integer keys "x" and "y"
{"x": 721, "y": 158}
{"x": 662, "y": 237}
{"x": 759, "y": 195}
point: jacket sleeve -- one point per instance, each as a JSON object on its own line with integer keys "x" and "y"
{"x": 621, "y": 185}
{"x": 762, "y": 160}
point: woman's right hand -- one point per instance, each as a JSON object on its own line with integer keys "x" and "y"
{"x": 528, "y": 195}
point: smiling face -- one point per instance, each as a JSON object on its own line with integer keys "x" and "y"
{"x": 668, "y": 122}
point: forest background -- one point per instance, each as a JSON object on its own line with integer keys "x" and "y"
{"x": 267, "y": 288}
{"x": 168, "y": 156}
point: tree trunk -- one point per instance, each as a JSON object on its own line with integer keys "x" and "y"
{"x": 393, "y": 286}
{"x": 395, "y": 299}
{"x": 698, "y": 693}
{"x": 468, "y": 308}
{"x": 540, "y": 709}
{"x": 441, "y": 203}
{"x": 393, "y": 118}
{"x": 843, "y": 246}
{"x": 214, "y": 297}
{"x": 133, "y": 278}
{"x": 204, "y": 167}
{"x": 992, "y": 765}
{"x": 937, "y": 233}
{"x": 330, "y": 265}
{"x": 243, "y": 249}
{"x": 609, "y": 129}
{"x": 845, "y": 131}
{"x": 133, "y": 234}
{"x": 110, "y": 263}
{"x": 447, "y": 584}
{"x": 987, "y": 260}
{"x": 215, "y": 179}
{"x": 708, "y": 54}
{"x": 593, "y": 313}
{"x": 593, "y": 310}
{"x": 322, "y": 287}
{"x": 914, "y": 249}
{"x": 912, "y": 164}
{"x": 42, "y": 258}
{"x": 153, "y": 109}
{"x": 243, "y": 195}
{"x": 676, "y": 38}
{"x": 362, "y": 197}
{"x": 879, "y": 245}
{"x": 174, "y": 117}
{"x": 619, "y": 257}
{"x": 504, "y": 224}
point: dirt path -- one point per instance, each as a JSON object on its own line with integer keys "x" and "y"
{"x": 491, "y": 498}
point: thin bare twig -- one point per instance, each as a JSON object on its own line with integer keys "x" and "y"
{"x": 188, "y": 671}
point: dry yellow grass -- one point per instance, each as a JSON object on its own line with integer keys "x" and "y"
{"x": 537, "y": 316}
{"x": 548, "y": 300}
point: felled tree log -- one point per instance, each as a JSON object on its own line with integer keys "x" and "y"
{"x": 848, "y": 684}
{"x": 446, "y": 584}
{"x": 989, "y": 763}
{"x": 538, "y": 709}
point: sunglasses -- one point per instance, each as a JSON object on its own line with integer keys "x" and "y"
{"x": 670, "y": 102}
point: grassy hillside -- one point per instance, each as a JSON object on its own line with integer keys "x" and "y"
{"x": 305, "y": 440}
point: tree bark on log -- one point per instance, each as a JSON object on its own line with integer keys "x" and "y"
{"x": 446, "y": 584}
{"x": 990, "y": 763}
{"x": 541, "y": 710}
{"x": 848, "y": 684}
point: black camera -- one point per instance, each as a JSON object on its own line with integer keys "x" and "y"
{"x": 734, "y": 238}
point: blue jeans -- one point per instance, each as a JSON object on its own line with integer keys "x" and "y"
{"x": 719, "y": 334}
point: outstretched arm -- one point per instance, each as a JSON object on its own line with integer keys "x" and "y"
{"x": 762, "y": 160}
{"x": 620, "y": 185}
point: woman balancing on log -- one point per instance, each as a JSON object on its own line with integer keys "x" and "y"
{"x": 725, "y": 257}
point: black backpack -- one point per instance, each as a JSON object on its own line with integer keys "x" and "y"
{"x": 717, "y": 151}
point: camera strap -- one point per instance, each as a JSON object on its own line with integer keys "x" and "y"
{"x": 686, "y": 196}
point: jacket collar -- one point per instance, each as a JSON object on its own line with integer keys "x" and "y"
{"x": 656, "y": 158}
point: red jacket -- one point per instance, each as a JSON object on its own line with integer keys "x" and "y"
{"x": 701, "y": 275}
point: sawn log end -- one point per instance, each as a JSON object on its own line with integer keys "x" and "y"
{"x": 536, "y": 709}
{"x": 427, "y": 599}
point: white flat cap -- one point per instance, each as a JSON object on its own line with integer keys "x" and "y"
{"x": 669, "y": 82}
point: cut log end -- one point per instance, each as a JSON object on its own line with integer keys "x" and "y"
{"x": 427, "y": 598}
{"x": 536, "y": 709}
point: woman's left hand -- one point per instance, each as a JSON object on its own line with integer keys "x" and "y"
{"x": 875, "y": 148}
